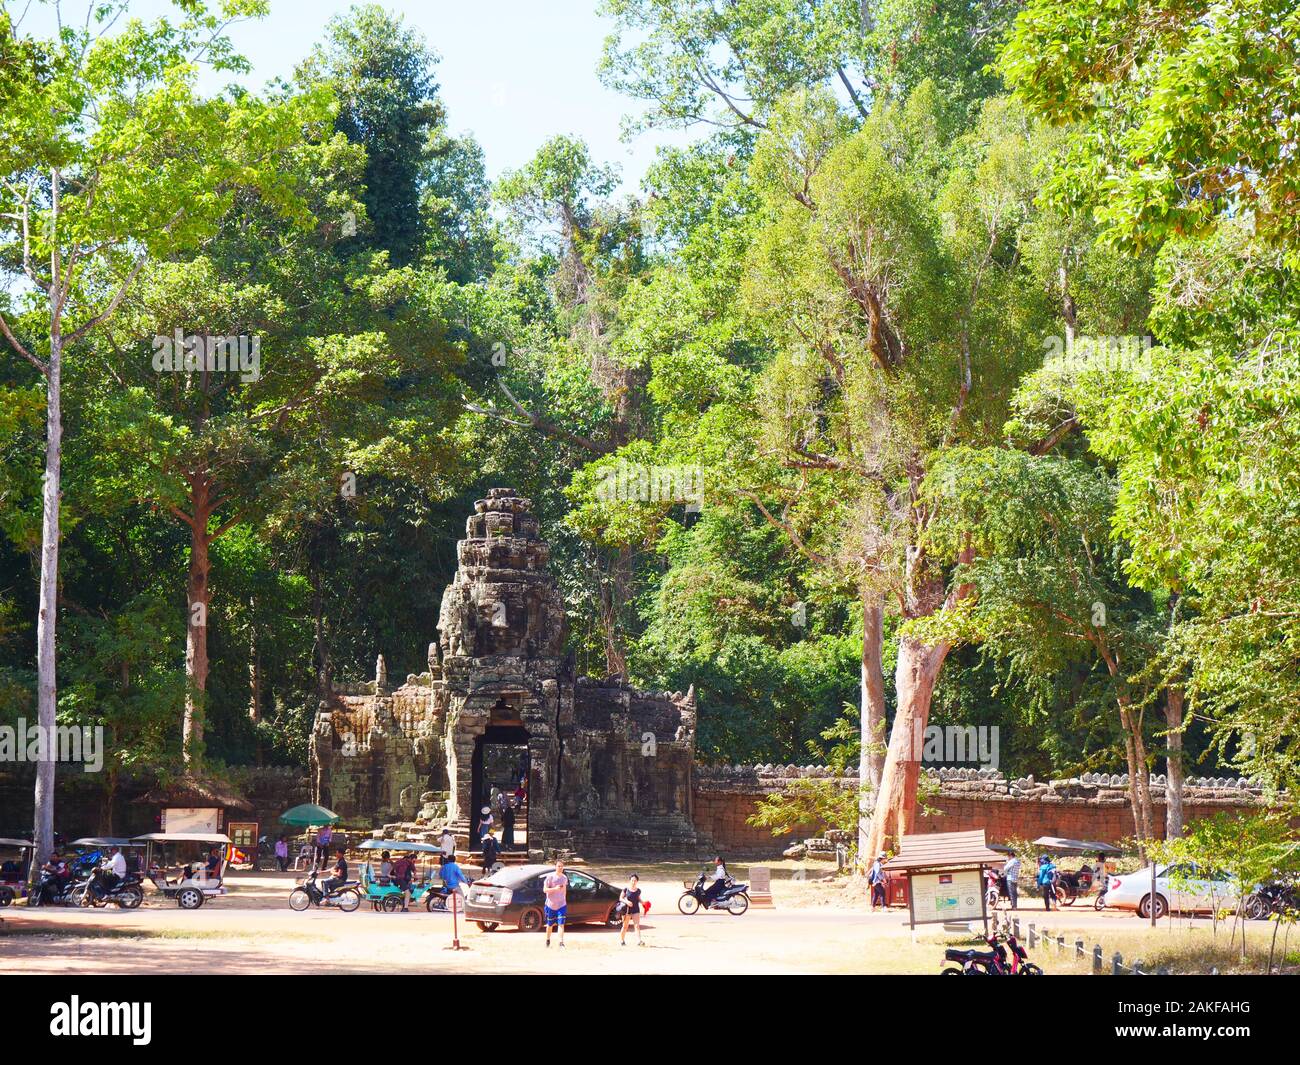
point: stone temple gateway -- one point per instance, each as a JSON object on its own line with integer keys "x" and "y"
{"x": 609, "y": 767}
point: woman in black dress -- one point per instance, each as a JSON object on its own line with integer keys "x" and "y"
{"x": 630, "y": 904}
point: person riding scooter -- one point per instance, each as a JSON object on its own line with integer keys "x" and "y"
{"x": 719, "y": 884}
{"x": 56, "y": 881}
{"x": 338, "y": 875}
{"x": 112, "y": 874}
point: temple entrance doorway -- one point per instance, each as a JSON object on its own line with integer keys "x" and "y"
{"x": 501, "y": 762}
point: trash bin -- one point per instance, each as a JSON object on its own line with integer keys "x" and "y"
{"x": 896, "y": 890}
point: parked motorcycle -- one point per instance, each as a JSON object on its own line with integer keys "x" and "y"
{"x": 995, "y": 889}
{"x": 345, "y": 896}
{"x": 1277, "y": 896}
{"x": 734, "y": 897}
{"x": 996, "y": 961}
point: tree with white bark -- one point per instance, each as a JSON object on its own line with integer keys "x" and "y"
{"x": 110, "y": 159}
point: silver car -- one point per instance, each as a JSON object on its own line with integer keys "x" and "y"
{"x": 1181, "y": 887}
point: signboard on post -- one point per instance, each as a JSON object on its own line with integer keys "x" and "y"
{"x": 945, "y": 876}
{"x": 950, "y": 896}
{"x": 191, "y": 819}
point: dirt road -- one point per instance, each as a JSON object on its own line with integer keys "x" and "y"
{"x": 253, "y": 931}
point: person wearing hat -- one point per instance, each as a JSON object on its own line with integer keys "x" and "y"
{"x": 485, "y": 821}
{"x": 491, "y": 851}
{"x": 1047, "y": 879}
{"x": 876, "y": 878}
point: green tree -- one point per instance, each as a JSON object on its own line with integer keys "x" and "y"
{"x": 111, "y": 160}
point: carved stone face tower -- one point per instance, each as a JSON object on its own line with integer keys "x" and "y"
{"x": 503, "y": 603}
{"x": 502, "y": 633}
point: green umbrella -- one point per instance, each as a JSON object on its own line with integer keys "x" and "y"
{"x": 309, "y": 814}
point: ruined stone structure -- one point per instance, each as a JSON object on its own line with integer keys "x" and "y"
{"x": 609, "y": 768}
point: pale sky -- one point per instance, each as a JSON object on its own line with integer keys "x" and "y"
{"x": 513, "y": 72}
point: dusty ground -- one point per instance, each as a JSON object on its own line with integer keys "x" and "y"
{"x": 817, "y": 926}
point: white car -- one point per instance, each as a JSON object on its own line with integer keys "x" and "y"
{"x": 1183, "y": 888}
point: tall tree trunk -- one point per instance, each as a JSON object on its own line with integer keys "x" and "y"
{"x": 1139, "y": 793}
{"x": 1174, "y": 762}
{"x": 918, "y": 670}
{"x": 615, "y": 595}
{"x": 1144, "y": 774}
{"x": 324, "y": 665}
{"x": 1135, "y": 752}
{"x": 51, "y": 495}
{"x": 254, "y": 683}
{"x": 196, "y": 631}
{"x": 110, "y": 797}
{"x": 871, "y": 759}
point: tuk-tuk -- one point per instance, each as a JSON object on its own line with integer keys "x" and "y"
{"x": 1069, "y": 884}
{"x": 193, "y": 884}
{"x": 386, "y": 896}
{"x": 15, "y": 855}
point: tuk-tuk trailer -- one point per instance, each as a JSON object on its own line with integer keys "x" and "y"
{"x": 193, "y": 885}
{"x": 15, "y": 856}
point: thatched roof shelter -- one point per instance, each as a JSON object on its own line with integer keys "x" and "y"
{"x": 193, "y": 791}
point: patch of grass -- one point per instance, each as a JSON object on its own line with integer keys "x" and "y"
{"x": 1181, "y": 950}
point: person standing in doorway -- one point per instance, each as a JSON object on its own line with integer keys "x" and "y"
{"x": 508, "y": 828}
{"x": 556, "y": 907}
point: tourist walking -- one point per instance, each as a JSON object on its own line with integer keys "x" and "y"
{"x": 556, "y": 907}
{"x": 282, "y": 853}
{"x": 1011, "y": 874}
{"x": 491, "y": 851}
{"x": 1047, "y": 879}
{"x": 508, "y": 828}
{"x": 876, "y": 878}
{"x": 629, "y": 905}
{"x": 447, "y": 842}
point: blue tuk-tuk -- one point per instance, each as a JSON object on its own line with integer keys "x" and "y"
{"x": 383, "y": 894}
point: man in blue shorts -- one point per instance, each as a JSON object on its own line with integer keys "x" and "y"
{"x": 556, "y": 887}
